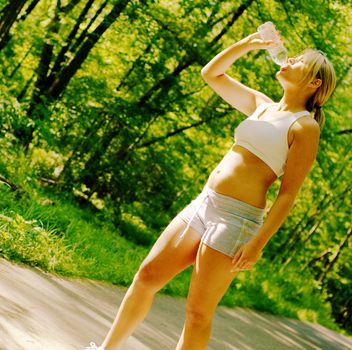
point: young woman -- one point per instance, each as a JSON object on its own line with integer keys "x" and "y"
{"x": 222, "y": 231}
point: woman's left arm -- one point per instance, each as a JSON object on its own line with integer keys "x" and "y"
{"x": 301, "y": 156}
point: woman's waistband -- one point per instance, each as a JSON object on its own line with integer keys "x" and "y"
{"x": 233, "y": 205}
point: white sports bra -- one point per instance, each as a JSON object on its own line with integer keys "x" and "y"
{"x": 267, "y": 138}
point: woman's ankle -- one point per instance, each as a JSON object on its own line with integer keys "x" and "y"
{"x": 109, "y": 346}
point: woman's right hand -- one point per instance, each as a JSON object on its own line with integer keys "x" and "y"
{"x": 255, "y": 42}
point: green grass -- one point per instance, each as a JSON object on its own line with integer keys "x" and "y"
{"x": 61, "y": 238}
{"x": 288, "y": 292}
{"x": 43, "y": 230}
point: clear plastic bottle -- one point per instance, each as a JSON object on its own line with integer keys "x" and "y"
{"x": 278, "y": 53}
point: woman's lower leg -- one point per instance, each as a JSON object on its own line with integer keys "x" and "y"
{"x": 210, "y": 280}
{"x": 131, "y": 313}
{"x": 195, "y": 335}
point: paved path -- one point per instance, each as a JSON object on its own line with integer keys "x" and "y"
{"x": 41, "y": 311}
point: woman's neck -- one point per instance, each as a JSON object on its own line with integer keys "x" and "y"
{"x": 292, "y": 104}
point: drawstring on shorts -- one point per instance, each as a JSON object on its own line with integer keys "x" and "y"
{"x": 192, "y": 217}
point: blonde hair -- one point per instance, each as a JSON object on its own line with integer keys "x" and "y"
{"x": 318, "y": 67}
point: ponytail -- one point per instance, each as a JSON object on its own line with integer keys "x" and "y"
{"x": 319, "y": 114}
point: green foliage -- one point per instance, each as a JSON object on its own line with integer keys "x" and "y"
{"x": 290, "y": 292}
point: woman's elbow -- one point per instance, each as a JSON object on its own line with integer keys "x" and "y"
{"x": 204, "y": 72}
{"x": 207, "y": 73}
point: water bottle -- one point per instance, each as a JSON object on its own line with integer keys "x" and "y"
{"x": 278, "y": 53}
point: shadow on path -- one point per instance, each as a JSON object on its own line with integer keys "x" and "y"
{"x": 41, "y": 311}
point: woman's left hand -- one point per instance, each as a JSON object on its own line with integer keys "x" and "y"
{"x": 246, "y": 256}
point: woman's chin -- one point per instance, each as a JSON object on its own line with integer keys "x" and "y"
{"x": 278, "y": 76}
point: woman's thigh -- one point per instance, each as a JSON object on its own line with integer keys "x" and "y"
{"x": 169, "y": 255}
{"x": 210, "y": 280}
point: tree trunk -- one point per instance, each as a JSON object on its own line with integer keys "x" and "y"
{"x": 83, "y": 35}
{"x": 20, "y": 63}
{"x": 42, "y": 70}
{"x": 68, "y": 72}
{"x": 23, "y": 92}
{"x": 61, "y": 59}
{"x": 8, "y": 17}
{"x": 330, "y": 264}
{"x": 29, "y": 9}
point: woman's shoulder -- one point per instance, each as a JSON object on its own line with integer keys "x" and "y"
{"x": 305, "y": 122}
{"x": 305, "y": 129}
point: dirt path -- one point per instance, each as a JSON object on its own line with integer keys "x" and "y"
{"x": 41, "y": 311}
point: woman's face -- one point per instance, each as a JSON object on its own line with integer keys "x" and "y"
{"x": 292, "y": 73}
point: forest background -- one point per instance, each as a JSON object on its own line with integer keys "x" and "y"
{"x": 108, "y": 131}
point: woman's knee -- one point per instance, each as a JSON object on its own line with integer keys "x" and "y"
{"x": 197, "y": 318}
{"x": 148, "y": 278}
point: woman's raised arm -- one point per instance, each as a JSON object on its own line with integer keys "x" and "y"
{"x": 238, "y": 95}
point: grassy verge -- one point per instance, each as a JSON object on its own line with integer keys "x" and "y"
{"x": 61, "y": 238}
{"x": 57, "y": 236}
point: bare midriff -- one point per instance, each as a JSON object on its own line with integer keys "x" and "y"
{"x": 242, "y": 175}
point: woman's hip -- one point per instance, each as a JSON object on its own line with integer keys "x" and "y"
{"x": 223, "y": 222}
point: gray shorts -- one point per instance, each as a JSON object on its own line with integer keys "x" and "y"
{"x": 225, "y": 223}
